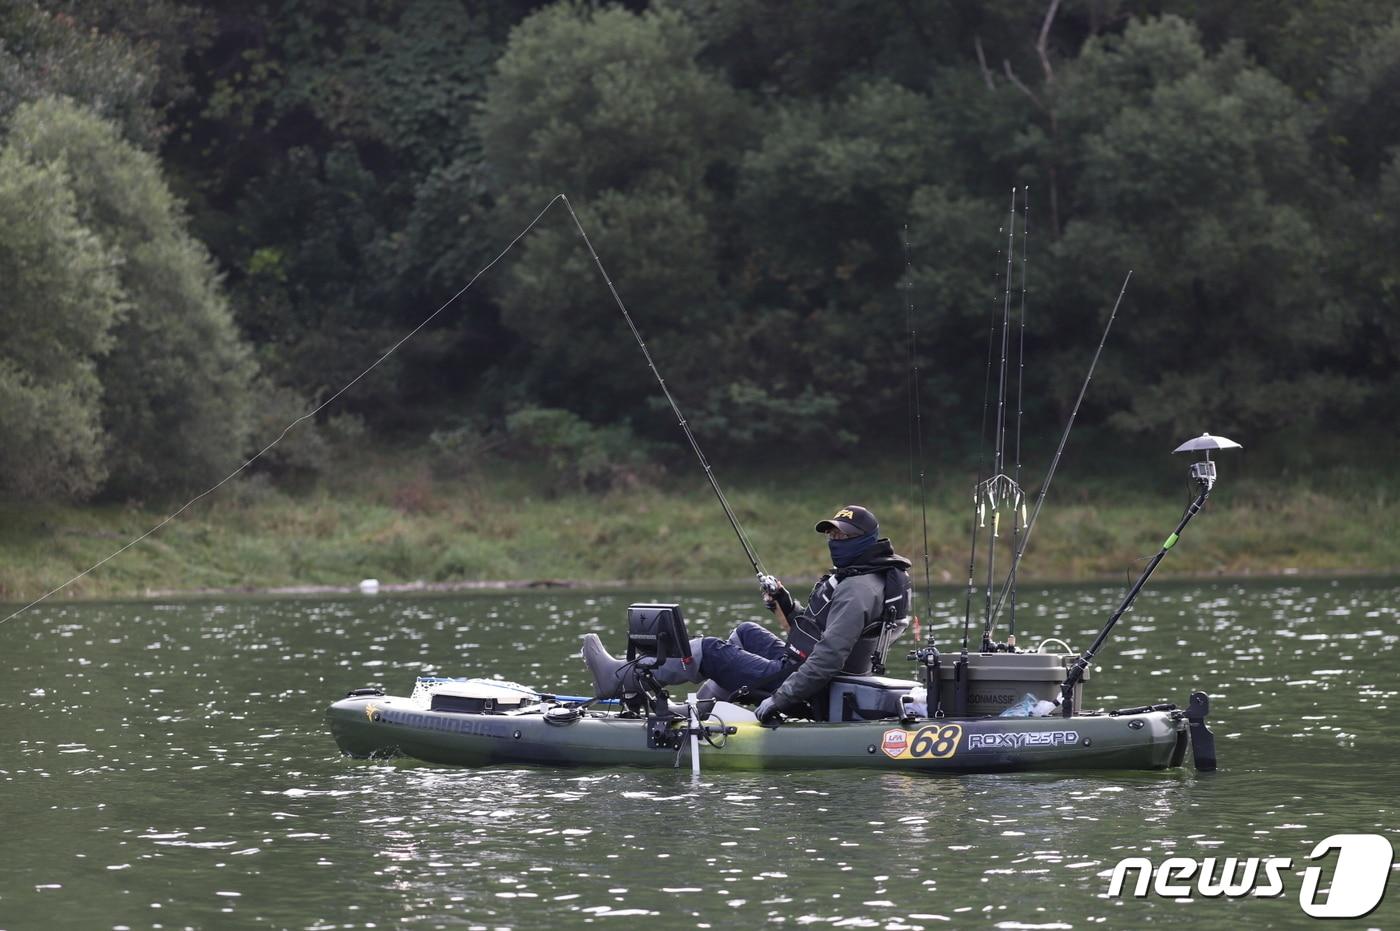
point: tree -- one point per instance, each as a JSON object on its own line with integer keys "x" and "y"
{"x": 177, "y": 382}
{"x": 335, "y": 172}
{"x": 1196, "y": 171}
{"x": 60, "y": 301}
{"x": 825, "y": 198}
{"x": 612, "y": 109}
{"x": 45, "y": 54}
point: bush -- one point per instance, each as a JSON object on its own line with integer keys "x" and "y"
{"x": 576, "y": 451}
{"x": 455, "y": 450}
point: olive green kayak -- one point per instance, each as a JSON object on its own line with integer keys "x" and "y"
{"x": 729, "y": 738}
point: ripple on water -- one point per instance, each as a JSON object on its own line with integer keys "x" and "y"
{"x": 171, "y": 760}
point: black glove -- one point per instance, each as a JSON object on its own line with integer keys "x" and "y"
{"x": 776, "y": 596}
{"x": 767, "y": 710}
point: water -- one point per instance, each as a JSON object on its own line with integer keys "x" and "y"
{"x": 165, "y": 765}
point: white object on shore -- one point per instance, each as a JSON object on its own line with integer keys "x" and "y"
{"x": 369, "y": 586}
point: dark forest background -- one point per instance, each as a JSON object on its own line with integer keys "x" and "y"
{"x": 213, "y": 215}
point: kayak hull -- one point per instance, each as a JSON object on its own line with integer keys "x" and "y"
{"x": 376, "y": 726}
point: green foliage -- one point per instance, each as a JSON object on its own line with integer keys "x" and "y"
{"x": 495, "y": 524}
{"x": 848, "y": 169}
{"x": 824, "y": 197}
{"x": 46, "y": 54}
{"x": 655, "y": 124}
{"x": 747, "y": 176}
{"x": 1362, "y": 111}
{"x": 61, "y": 300}
{"x": 580, "y": 350}
{"x": 460, "y": 449}
{"x": 578, "y": 452}
{"x": 305, "y": 450}
{"x": 586, "y": 100}
{"x": 339, "y": 137}
{"x": 1374, "y": 228}
{"x": 785, "y": 53}
{"x": 176, "y": 384}
{"x": 1196, "y": 172}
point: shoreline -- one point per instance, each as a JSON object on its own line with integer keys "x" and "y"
{"x": 421, "y": 586}
{"x": 500, "y": 532}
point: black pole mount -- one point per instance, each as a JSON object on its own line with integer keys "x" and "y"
{"x": 1202, "y": 740}
{"x": 1203, "y": 479}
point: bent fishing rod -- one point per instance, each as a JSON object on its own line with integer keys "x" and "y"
{"x": 299, "y": 420}
{"x": 766, "y": 581}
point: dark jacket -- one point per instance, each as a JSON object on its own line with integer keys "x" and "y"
{"x": 856, "y": 602}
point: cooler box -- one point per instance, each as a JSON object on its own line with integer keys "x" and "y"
{"x": 996, "y": 681}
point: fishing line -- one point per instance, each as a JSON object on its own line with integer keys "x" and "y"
{"x": 375, "y": 364}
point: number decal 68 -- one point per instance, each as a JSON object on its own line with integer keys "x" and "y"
{"x": 936, "y": 742}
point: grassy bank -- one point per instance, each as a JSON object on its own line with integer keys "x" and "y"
{"x": 395, "y": 519}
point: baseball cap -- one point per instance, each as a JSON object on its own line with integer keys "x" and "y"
{"x": 850, "y": 519}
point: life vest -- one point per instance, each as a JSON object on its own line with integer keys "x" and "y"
{"x": 809, "y": 626}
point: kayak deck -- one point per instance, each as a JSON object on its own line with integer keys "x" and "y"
{"x": 378, "y": 725}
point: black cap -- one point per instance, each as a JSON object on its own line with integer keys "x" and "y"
{"x": 850, "y": 519}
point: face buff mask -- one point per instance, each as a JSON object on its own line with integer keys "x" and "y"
{"x": 844, "y": 552}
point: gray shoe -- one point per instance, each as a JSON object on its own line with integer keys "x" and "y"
{"x": 612, "y": 677}
{"x": 675, "y": 671}
{"x": 712, "y": 689}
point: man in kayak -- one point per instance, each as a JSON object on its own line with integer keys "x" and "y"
{"x": 864, "y": 598}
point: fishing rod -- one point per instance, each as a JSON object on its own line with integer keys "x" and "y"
{"x": 917, "y": 423}
{"x": 1055, "y": 462}
{"x": 1019, "y": 514}
{"x": 1203, "y": 477}
{"x": 1000, "y": 486}
{"x": 960, "y": 666}
{"x": 299, "y": 420}
{"x": 977, "y": 511}
{"x": 767, "y": 582}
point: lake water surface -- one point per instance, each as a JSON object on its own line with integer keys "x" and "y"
{"x": 166, "y": 765}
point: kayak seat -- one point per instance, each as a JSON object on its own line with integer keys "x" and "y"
{"x": 875, "y": 640}
{"x": 846, "y": 698}
{"x": 861, "y": 698}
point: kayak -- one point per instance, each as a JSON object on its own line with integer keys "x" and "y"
{"x": 460, "y": 727}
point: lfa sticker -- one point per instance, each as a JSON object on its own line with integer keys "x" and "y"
{"x": 934, "y": 742}
{"x": 895, "y": 744}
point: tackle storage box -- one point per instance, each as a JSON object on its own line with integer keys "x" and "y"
{"x": 996, "y": 681}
